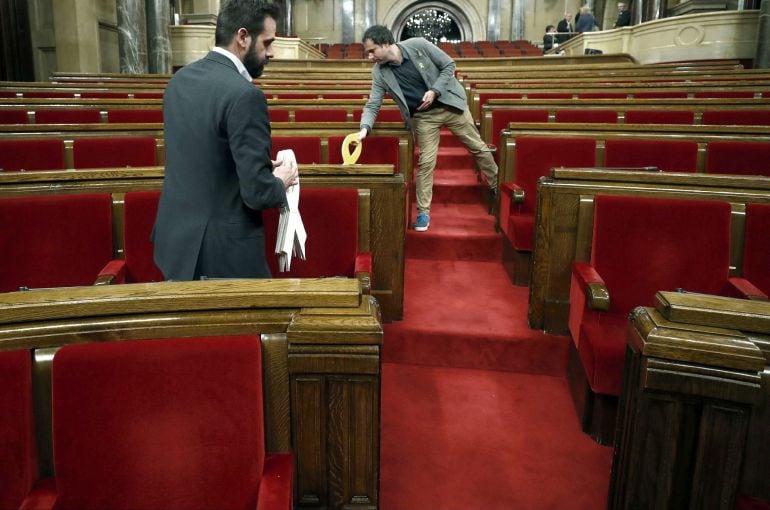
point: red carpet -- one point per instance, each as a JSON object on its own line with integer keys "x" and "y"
{"x": 476, "y": 412}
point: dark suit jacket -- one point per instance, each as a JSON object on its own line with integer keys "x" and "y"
{"x": 624, "y": 19}
{"x": 564, "y": 27}
{"x": 218, "y": 175}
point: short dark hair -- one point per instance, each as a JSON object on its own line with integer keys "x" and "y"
{"x": 549, "y": 27}
{"x": 248, "y": 14}
{"x": 379, "y": 35}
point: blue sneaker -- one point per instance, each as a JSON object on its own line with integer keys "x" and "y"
{"x": 422, "y": 223}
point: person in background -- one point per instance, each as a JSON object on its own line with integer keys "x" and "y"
{"x": 549, "y": 39}
{"x": 565, "y": 28}
{"x": 587, "y": 22}
{"x": 624, "y": 17}
{"x": 219, "y": 176}
{"x": 420, "y": 79}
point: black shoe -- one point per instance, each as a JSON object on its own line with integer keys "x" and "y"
{"x": 492, "y": 201}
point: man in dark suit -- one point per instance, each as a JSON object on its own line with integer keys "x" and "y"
{"x": 624, "y": 17}
{"x": 219, "y": 175}
{"x": 565, "y": 27}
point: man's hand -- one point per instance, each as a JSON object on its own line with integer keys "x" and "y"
{"x": 287, "y": 172}
{"x": 361, "y": 135}
{"x": 427, "y": 100}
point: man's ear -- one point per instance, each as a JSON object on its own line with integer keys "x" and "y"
{"x": 241, "y": 35}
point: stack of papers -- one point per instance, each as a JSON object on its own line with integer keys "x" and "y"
{"x": 291, "y": 237}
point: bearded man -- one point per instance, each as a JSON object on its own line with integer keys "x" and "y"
{"x": 219, "y": 175}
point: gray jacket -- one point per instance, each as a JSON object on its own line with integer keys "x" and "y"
{"x": 437, "y": 69}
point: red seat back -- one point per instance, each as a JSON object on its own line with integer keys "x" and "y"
{"x": 501, "y": 119}
{"x": 535, "y": 156}
{"x": 171, "y": 423}
{"x": 143, "y": 116}
{"x": 756, "y": 246}
{"x": 31, "y": 155}
{"x": 13, "y": 116}
{"x": 738, "y": 158}
{"x": 68, "y": 116}
{"x": 382, "y": 150}
{"x": 320, "y": 115}
{"x": 587, "y": 116}
{"x": 659, "y": 117}
{"x": 139, "y": 211}
{"x": 124, "y": 151}
{"x": 737, "y": 117}
{"x": 384, "y": 115}
{"x": 18, "y": 452}
{"x": 307, "y": 149}
{"x": 277, "y": 115}
{"x": 666, "y": 155}
{"x": 643, "y": 245}
{"x": 54, "y": 241}
{"x": 330, "y": 216}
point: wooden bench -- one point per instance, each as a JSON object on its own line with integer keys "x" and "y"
{"x": 381, "y": 212}
{"x": 321, "y": 341}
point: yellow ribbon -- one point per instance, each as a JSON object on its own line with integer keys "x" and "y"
{"x": 349, "y": 158}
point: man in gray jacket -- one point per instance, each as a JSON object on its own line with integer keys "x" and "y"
{"x": 420, "y": 78}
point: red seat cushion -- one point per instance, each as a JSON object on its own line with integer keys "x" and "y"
{"x": 737, "y": 117}
{"x": 666, "y": 155}
{"x": 659, "y": 117}
{"x": 68, "y": 116}
{"x": 123, "y": 151}
{"x": 384, "y": 115}
{"x": 738, "y": 158}
{"x": 76, "y": 244}
{"x": 660, "y": 95}
{"x": 307, "y": 149}
{"x": 381, "y": 150}
{"x": 602, "y": 348}
{"x": 723, "y": 94}
{"x": 18, "y": 453}
{"x": 756, "y": 247}
{"x": 13, "y": 116}
{"x": 501, "y": 119}
{"x": 330, "y": 216}
{"x": 587, "y": 116}
{"x": 172, "y": 423}
{"x": 320, "y": 115}
{"x": 43, "y": 154}
{"x": 277, "y": 115}
{"x": 145, "y": 116}
{"x": 140, "y": 209}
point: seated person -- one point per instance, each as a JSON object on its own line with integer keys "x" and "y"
{"x": 624, "y": 16}
{"x": 550, "y": 39}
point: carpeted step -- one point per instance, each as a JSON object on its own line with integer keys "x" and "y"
{"x": 454, "y": 158}
{"x": 457, "y": 188}
{"x": 466, "y": 314}
{"x": 457, "y": 232}
{"x": 459, "y": 439}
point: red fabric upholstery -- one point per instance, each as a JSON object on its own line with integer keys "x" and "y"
{"x": 602, "y": 95}
{"x": 535, "y": 156}
{"x": 140, "y": 209}
{"x": 13, "y": 116}
{"x": 660, "y": 95}
{"x": 18, "y": 453}
{"x": 148, "y": 95}
{"x": 738, "y": 158}
{"x": 737, "y": 117}
{"x": 486, "y": 96}
{"x": 384, "y": 115}
{"x": 335, "y": 95}
{"x": 666, "y": 155}
{"x": 124, "y": 151}
{"x": 295, "y": 96}
{"x": 501, "y": 119}
{"x": 602, "y": 348}
{"x": 48, "y": 94}
{"x": 723, "y": 93}
{"x": 521, "y": 231}
{"x": 68, "y": 116}
{"x": 659, "y": 117}
{"x": 144, "y": 116}
{"x": 277, "y": 115}
{"x": 43, "y": 154}
{"x": 330, "y": 216}
{"x": 587, "y": 116}
{"x": 643, "y": 245}
{"x": 756, "y": 246}
{"x": 377, "y": 150}
{"x": 54, "y": 241}
{"x": 104, "y": 95}
{"x": 148, "y": 424}
{"x": 41, "y": 497}
{"x": 320, "y": 115}
{"x": 549, "y": 95}
{"x": 277, "y": 486}
{"x": 307, "y": 149}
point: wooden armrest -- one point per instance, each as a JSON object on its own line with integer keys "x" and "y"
{"x": 597, "y": 295}
{"x": 363, "y": 271}
{"x": 514, "y": 191}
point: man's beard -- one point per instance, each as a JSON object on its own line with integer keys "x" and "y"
{"x": 252, "y": 63}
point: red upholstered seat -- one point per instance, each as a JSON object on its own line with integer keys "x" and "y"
{"x": 18, "y": 452}
{"x": 104, "y": 95}
{"x": 13, "y": 116}
{"x": 666, "y": 155}
{"x": 550, "y": 95}
{"x": 587, "y": 116}
{"x": 124, "y": 151}
{"x": 307, "y": 149}
{"x": 602, "y": 95}
{"x": 714, "y": 94}
{"x": 277, "y": 115}
{"x": 330, "y": 216}
{"x": 737, "y": 117}
{"x": 142, "y": 116}
{"x": 640, "y": 246}
{"x": 534, "y": 158}
{"x": 48, "y": 94}
{"x": 501, "y": 119}
{"x": 384, "y": 115}
{"x": 68, "y": 116}
{"x": 659, "y": 117}
{"x": 171, "y": 423}
{"x": 738, "y": 158}
{"x": 54, "y": 241}
{"x": 148, "y": 95}
{"x": 42, "y": 154}
{"x": 660, "y": 95}
{"x": 756, "y": 246}
{"x": 320, "y": 115}
{"x": 381, "y": 150}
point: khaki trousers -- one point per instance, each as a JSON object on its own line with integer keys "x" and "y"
{"x": 427, "y": 126}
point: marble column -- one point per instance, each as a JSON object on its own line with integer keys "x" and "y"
{"x": 370, "y": 12}
{"x": 132, "y": 36}
{"x": 493, "y": 20}
{"x": 158, "y": 43}
{"x": 348, "y": 20}
{"x": 762, "y": 56}
{"x": 517, "y": 20}
{"x": 287, "y": 21}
